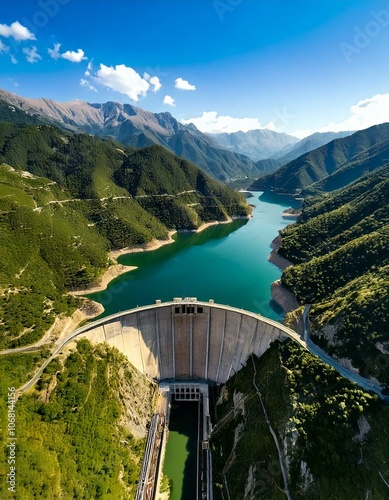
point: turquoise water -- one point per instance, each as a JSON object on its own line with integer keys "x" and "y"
{"x": 181, "y": 452}
{"x": 227, "y": 263}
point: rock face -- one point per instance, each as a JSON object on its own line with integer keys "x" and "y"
{"x": 134, "y": 390}
{"x": 283, "y": 297}
{"x": 275, "y": 257}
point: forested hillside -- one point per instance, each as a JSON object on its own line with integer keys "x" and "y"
{"x": 81, "y": 431}
{"x": 340, "y": 251}
{"x": 333, "y": 437}
{"x": 91, "y": 196}
{"x": 331, "y": 166}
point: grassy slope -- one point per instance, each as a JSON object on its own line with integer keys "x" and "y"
{"x": 315, "y": 413}
{"x": 75, "y": 445}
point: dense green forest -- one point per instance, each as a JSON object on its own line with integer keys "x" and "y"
{"x": 75, "y": 430}
{"x": 331, "y": 166}
{"x": 68, "y": 199}
{"x": 339, "y": 247}
{"x": 333, "y": 436}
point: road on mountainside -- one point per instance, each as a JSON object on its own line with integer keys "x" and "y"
{"x": 363, "y": 382}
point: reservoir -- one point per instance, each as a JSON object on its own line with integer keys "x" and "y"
{"x": 226, "y": 262}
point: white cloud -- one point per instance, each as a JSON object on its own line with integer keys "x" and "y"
{"x": 3, "y": 48}
{"x": 123, "y": 79}
{"x": 169, "y": 100}
{"x": 209, "y": 122}
{"x": 183, "y": 84}
{"x": 85, "y": 83}
{"x": 69, "y": 55}
{"x": 302, "y": 133}
{"x": 88, "y": 69}
{"x": 155, "y": 82}
{"x": 17, "y": 31}
{"x": 364, "y": 114}
{"x": 32, "y": 55}
{"x": 13, "y": 59}
{"x": 73, "y": 56}
{"x": 54, "y": 53}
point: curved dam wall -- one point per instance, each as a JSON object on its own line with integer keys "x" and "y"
{"x": 187, "y": 339}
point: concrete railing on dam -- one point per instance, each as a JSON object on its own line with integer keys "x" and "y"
{"x": 186, "y": 338}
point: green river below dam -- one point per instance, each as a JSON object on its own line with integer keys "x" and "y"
{"x": 227, "y": 263}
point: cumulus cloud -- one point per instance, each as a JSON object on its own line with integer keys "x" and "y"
{"x": 69, "y": 55}
{"x": 85, "y": 83}
{"x": 183, "y": 85}
{"x": 16, "y": 31}
{"x": 209, "y": 122}
{"x": 169, "y": 100}
{"x": 122, "y": 79}
{"x": 73, "y": 56}
{"x": 364, "y": 114}
{"x": 32, "y": 55}
{"x": 155, "y": 82}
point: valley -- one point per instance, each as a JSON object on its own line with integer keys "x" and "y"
{"x": 77, "y": 208}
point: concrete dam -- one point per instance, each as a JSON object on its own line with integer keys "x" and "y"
{"x": 187, "y": 339}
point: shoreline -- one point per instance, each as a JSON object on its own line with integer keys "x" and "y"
{"x": 115, "y": 270}
{"x": 280, "y": 294}
{"x": 275, "y": 258}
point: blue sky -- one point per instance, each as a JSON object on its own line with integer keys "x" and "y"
{"x": 294, "y": 66}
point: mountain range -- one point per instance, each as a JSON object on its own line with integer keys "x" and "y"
{"x": 331, "y": 166}
{"x": 132, "y": 126}
{"x": 256, "y": 144}
{"x": 313, "y": 141}
{"x": 241, "y": 156}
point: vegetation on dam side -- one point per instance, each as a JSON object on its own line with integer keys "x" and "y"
{"x": 66, "y": 200}
{"x": 333, "y": 435}
{"x": 81, "y": 431}
{"x": 339, "y": 248}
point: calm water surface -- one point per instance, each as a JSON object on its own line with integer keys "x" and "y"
{"x": 227, "y": 263}
{"x": 181, "y": 452}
